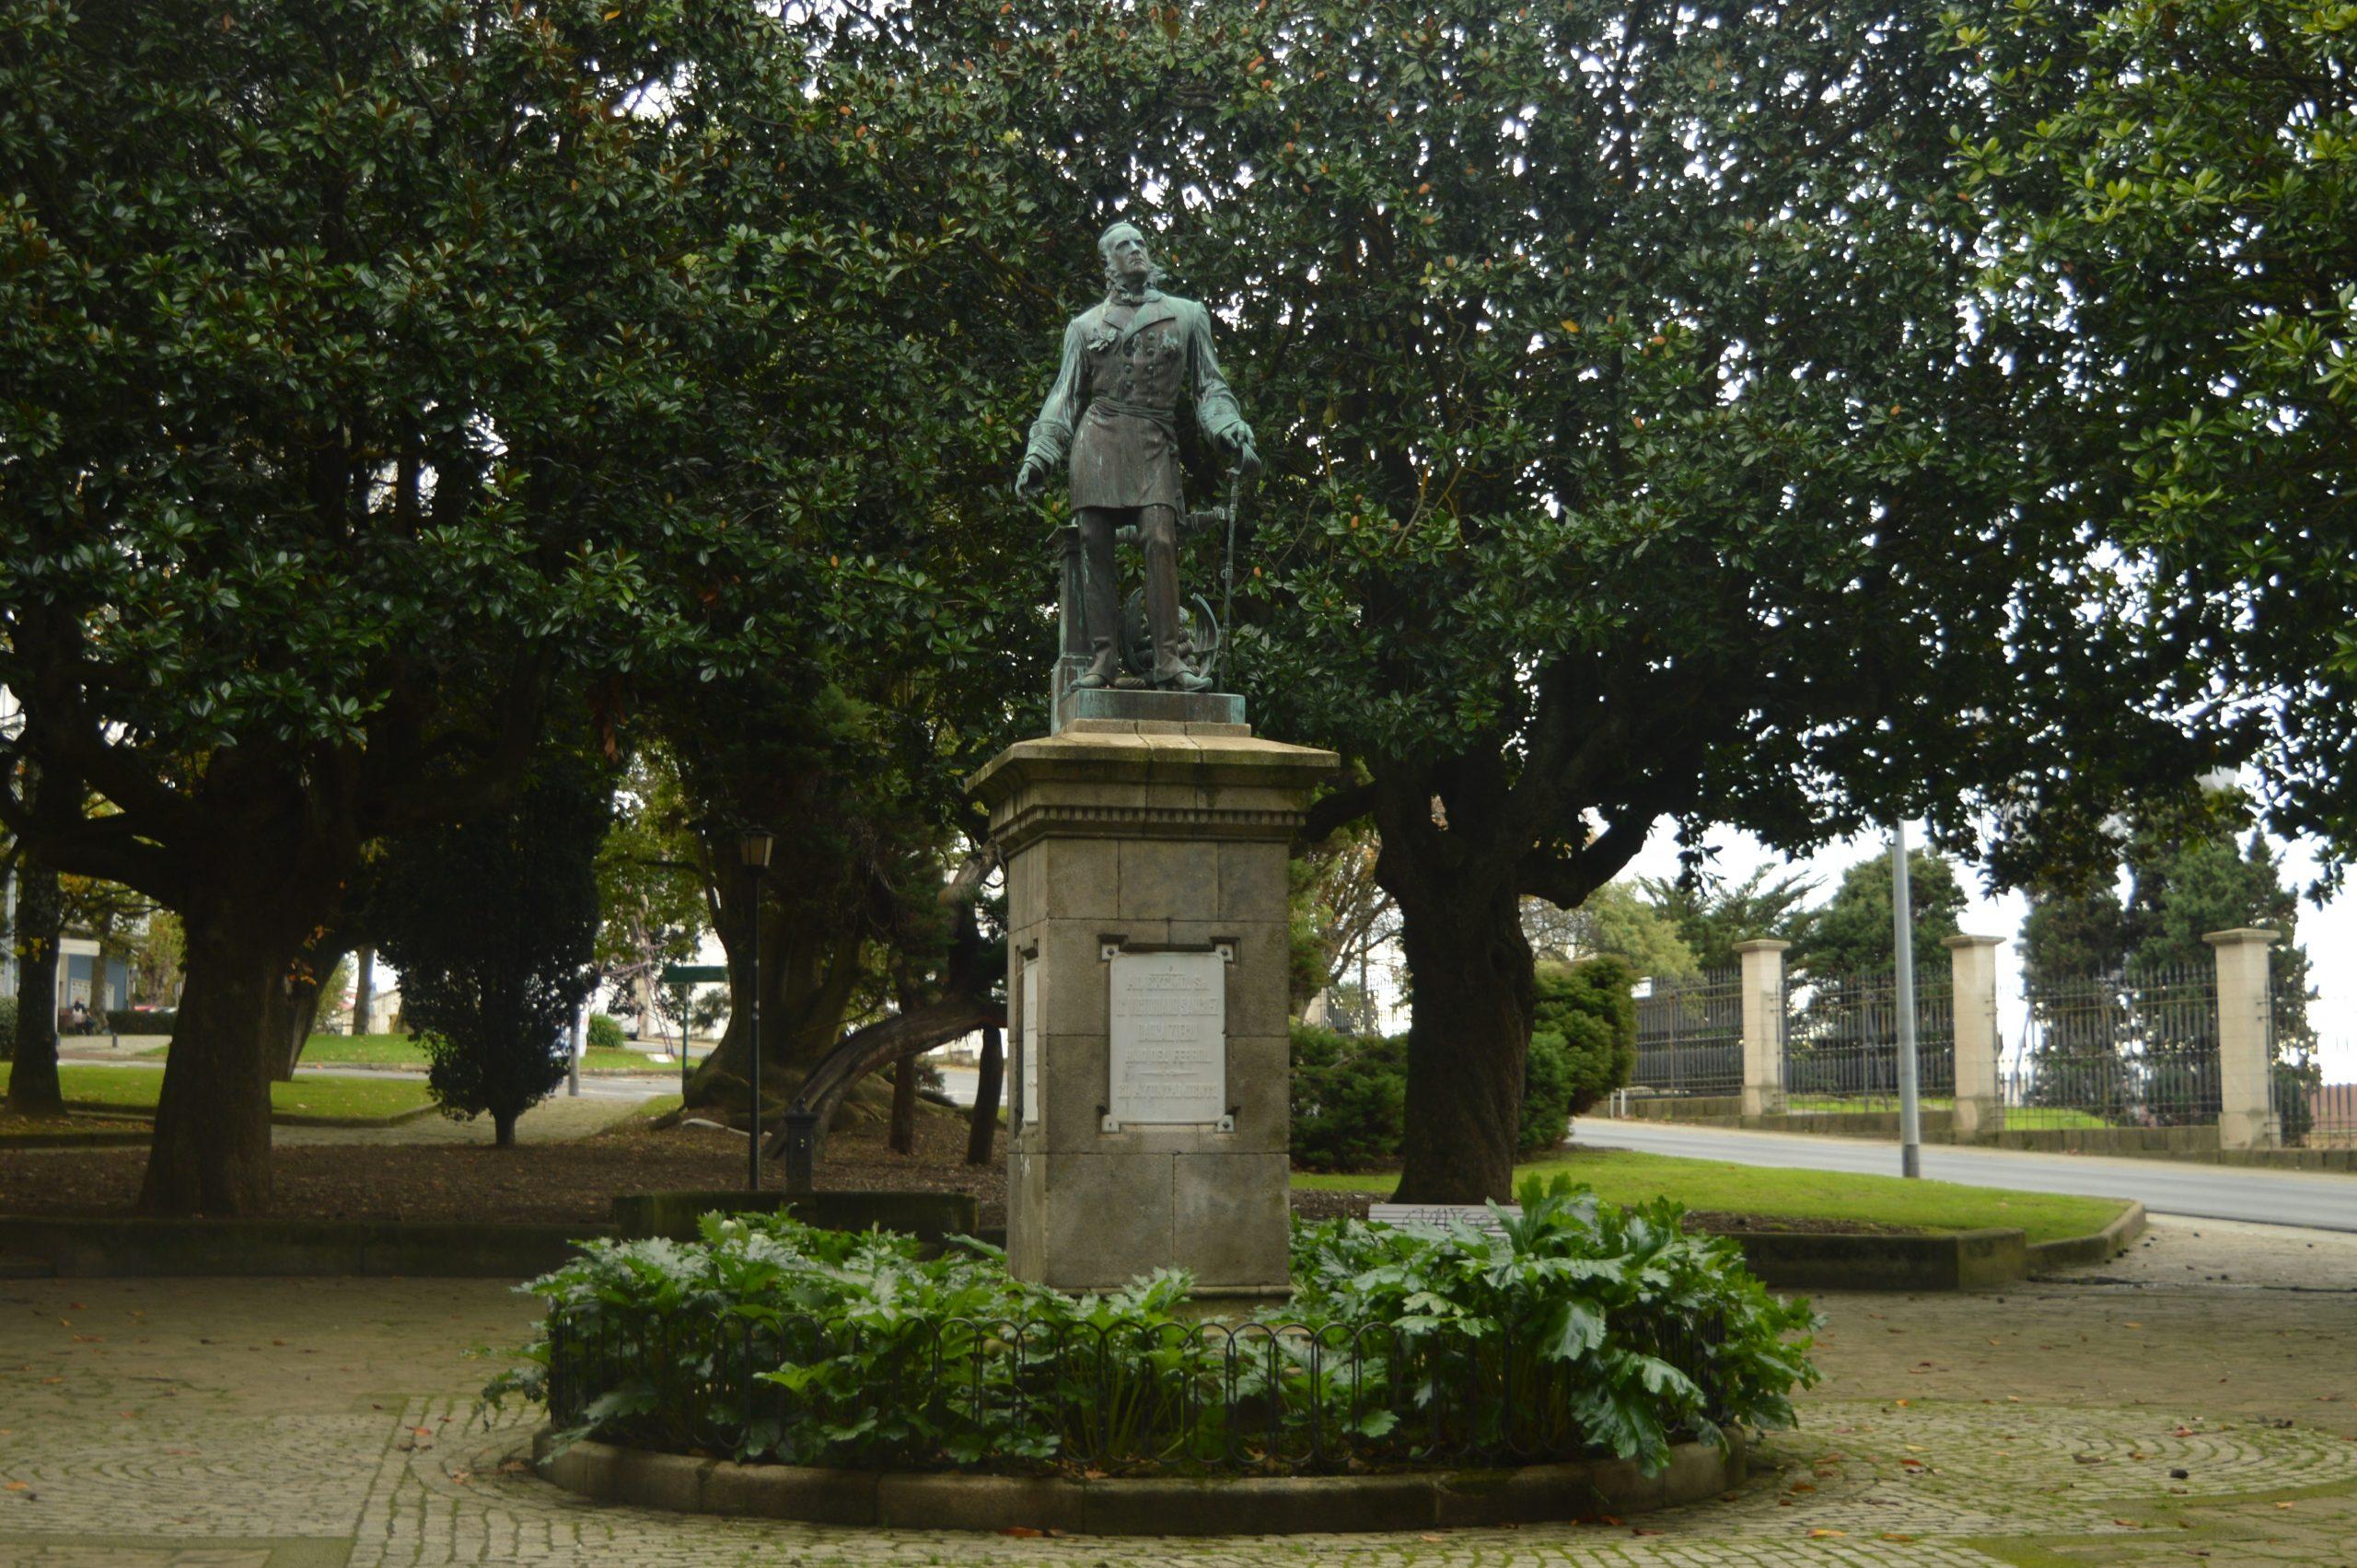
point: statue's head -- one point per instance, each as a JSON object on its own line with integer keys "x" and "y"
{"x": 1127, "y": 260}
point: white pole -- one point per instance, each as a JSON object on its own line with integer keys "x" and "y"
{"x": 580, "y": 1040}
{"x": 1902, "y": 925}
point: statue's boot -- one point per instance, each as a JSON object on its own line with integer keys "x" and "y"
{"x": 1100, "y": 599}
{"x": 1171, "y": 671}
{"x": 1100, "y": 670}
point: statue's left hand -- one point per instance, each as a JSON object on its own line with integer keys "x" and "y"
{"x": 1248, "y": 459}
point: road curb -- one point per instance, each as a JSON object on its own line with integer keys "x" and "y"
{"x": 1160, "y": 1505}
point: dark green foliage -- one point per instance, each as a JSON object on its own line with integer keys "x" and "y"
{"x": 1852, "y": 934}
{"x": 1349, "y": 1099}
{"x": 2181, "y": 884}
{"x": 1582, "y": 1328}
{"x": 2170, "y": 197}
{"x": 142, "y": 1020}
{"x": 1587, "y": 1007}
{"x": 605, "y": 1032}
{"x": 1712, "y": 913}
{"x": 492, "y": 926}
{"x": 1546, "y": 1094}
{"x": 7, "y": 1028}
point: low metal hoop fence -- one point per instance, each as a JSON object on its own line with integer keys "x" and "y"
{"x": 1271, "y": 1398}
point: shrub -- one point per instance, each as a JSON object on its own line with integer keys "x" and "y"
{"x": 7, "y": 1028}
{"x": 143, "y": 1020}
{"x": 1578, "y": 1328}
{"x": 1349, "y": 1099}
{"x": 1546, "y": 1094}
{"x": 493, "y": 924}
{"x": 605, "y": 1032}
{"x": 1587, "y": 1005}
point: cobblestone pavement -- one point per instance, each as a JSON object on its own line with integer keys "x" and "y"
{"x": 284, "y": 1423}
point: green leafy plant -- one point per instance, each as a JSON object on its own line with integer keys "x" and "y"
{"x": 605, "y": 1032}
{"x": 1578, "y": 1328}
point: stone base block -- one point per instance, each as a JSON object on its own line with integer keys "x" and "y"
{"x": 1120, "y": 706}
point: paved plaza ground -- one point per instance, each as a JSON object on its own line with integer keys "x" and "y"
{"x": 279, "y": 1424}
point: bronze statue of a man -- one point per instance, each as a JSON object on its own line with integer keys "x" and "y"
{"x": 1115, "y": 409}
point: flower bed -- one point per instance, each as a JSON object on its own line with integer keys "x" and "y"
{"x": 1580, "y": 1328}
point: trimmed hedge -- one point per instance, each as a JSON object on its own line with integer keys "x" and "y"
{"x": 143, "y": 1020}
{"x": 7, "y": 1028}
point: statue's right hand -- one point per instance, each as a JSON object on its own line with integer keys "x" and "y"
{"x": 1032, "y": 479}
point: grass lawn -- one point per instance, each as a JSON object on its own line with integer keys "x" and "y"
{"x": 402, "y": 1050}
{"x": 2015, "y": 1115}
{"x": 1624, "y": 1176}
{"x": 1861, "y": 1103}
{"x": 135, "y": 1088}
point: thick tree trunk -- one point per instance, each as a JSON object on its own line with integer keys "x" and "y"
{"x": 904, "y": 1105}
{"x": 364, "y": 989}
{"x": 502, "y": 1130}
{"x": 32, "y": 1079}
{"x": 295, "y": 1015}
{"x": 981, "y": 1131}
{"x": 211, "y": 1152}
{"x": 1466, "y": 1037}
{"x": 807, "y": 983}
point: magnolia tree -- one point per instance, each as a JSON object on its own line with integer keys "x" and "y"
{"x": 380, "y": 378}
{"x": 2170, "y": 263}
{"x": 1627, "y": 465}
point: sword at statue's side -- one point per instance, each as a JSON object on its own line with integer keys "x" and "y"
{"x": 1239, "y": 477}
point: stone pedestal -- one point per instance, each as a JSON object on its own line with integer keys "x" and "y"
{"x": 1146, "y": 978}
{"x": 1972, "y": 968}
{"x": 2246, "y": 1117}
{"x": 1763, "y": 1024}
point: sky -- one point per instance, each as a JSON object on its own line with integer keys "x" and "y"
{"x": 2329, "y": 932}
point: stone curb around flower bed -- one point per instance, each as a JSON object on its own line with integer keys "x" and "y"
{"x": 134, "y": 1247}
{"x": 1159, "y": 1505}
{"x": 2073, "y": 1251}
{"x": 277, "y": 1118}
{"x": 1963, "y": 1259}
{"x": 144, "y": 1249}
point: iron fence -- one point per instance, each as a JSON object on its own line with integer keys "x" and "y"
{"x": 1689, "y": 1035}
{"x": 2310, "y": 1111}
{"x": 1253, "y": 1398}
{"x": 1841, "y": 1043}
{"x": 2137, "y": 1050}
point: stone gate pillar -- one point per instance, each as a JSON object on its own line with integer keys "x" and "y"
{"x": 1972, "y": 965}
{"x": 1763, "y": 1025}
{"x": 2245, "y": 1035}
{"x": 1147, "y": 962}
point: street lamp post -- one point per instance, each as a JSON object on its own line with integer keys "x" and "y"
{"x": 753, "y": 849}
{"x": 1902, "y": 922}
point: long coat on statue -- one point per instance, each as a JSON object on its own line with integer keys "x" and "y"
{"x": 1115, "y": 403}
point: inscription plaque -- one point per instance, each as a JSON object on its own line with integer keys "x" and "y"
{"x": 1028, "y": 1069}
{"x": 1170, "y": 1038}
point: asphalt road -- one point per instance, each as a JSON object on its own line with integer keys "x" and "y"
{"x": 2322, "y": 1200}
